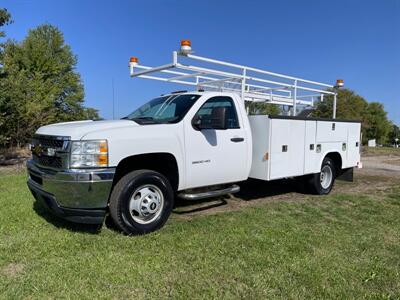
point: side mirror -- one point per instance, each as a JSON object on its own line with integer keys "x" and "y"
{"x": 217, "y": 120}
{"x": 197, "y": 122}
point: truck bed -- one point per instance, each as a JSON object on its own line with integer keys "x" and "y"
{"x": 293, "y": 146}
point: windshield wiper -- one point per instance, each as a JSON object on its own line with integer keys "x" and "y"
{"x": 144, "y": 120}
{"x": 151, "y": 120}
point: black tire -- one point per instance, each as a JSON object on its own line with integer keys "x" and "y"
{"x": 314, "y": 182}
{"x": 123, "y": 192}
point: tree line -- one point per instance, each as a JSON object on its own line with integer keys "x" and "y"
{"x": 39, "y": 83}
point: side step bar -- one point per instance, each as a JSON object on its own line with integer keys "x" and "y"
{"x": 208, "y": 194}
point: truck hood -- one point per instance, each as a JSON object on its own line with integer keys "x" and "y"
{"x": 76, "y": 130}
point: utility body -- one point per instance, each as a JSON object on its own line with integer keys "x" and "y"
{"x": 189, "y": 145}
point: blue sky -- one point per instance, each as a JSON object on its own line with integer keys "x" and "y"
{"x": 358, "y": 41}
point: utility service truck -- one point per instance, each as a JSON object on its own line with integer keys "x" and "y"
{"x": 190, "y": 145}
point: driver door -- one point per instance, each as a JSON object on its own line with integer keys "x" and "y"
{"x": 215, "y": 155}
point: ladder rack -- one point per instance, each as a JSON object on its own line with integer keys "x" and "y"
{"x": 250, "y": 83}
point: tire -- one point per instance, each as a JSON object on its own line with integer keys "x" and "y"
{"x": 141, "y": 202}
{"x": 322, "y": 182}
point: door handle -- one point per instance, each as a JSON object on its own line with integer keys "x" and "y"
{"x": 237, "y": 139}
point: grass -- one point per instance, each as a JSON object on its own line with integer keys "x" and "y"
{"x": 340, "y": 246}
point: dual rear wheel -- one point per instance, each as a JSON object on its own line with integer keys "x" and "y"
{"x": 322, "y": 183}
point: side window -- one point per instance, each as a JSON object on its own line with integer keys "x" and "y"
{"x": 231, "y": 119}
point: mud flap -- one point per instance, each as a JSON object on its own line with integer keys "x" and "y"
{"x": 346, "y": 175}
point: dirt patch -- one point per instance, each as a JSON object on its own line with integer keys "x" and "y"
{"x": 13, "y": 156}
{"x": 13, "y": 169}
{"x": 13, "y": 160}
{"x": 395, "y": 161}
{"x": 380, "y": 151}
{"x": 13, "y": 269}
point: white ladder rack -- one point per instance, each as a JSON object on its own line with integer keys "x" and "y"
{"x": 251, "y": 84}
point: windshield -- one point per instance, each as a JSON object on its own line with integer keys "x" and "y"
{"x": 165, "y": 109}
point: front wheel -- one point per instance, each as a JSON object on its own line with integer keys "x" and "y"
{"x": 322, "y": 183}
{"x": 141, "y": 202}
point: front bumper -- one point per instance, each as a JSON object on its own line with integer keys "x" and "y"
{"x": 76, "y": 195}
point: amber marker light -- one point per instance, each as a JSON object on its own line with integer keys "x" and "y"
{"x": 339, "y": 83}
{"x": 102, "y": 158}
{"x": 186, "y": 47}
{"x": 186, "y": 43}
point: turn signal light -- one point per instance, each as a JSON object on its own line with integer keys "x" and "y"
{"x": 102, "y": 160}
{"x": 103, "y": 147}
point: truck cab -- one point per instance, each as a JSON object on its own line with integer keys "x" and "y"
{"x": 195, "y": 139}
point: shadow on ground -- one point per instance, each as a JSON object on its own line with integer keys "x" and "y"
{"x": 43, "y": 212}
{"x": 255, "y": 189}
{"x": 249, "y": 190}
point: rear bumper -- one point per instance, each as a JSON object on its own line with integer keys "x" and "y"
{"x": 76, "y": 195}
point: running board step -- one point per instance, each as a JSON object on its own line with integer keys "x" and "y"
{"x": 208, "y": 194}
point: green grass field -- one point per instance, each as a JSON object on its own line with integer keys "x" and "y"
{"x": 340, "y": 246}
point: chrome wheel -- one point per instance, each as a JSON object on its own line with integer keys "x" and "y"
{"x": 146, "y": 204}
{"x": 326, "y": 177}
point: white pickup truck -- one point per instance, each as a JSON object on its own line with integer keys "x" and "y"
{"x": 189, "y": 145}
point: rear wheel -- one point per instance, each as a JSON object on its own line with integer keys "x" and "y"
{"x": 322, "y": 183}
{"x": 141, "y": 202}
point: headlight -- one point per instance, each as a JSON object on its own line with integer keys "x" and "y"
{"x": 89, "y": 154}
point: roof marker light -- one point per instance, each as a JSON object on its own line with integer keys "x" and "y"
{"x": 186, "y": 47}
{"x": 133, "y": 61}
{"x": 339, "y": 83}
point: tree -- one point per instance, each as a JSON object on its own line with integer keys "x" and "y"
{"x": 5, "y": 18}
{"x": 40, "y": 85}
{"x": 351, "y": 106}
{"x": 262, "y": 108}
{"x": 394, "y": 134}
{"x": 376, "y": 125}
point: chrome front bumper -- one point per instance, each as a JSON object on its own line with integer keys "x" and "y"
{"x": 76, "y": 195}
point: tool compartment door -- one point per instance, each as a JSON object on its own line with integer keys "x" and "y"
{"x": 311, "y": 157}
{"x": 353, "y": 145}
{"x": 287, "y": 148}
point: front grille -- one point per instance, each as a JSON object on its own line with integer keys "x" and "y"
{"x": 48, "y": 151}
{"x": 49, "y": 142}
{"x": 48, "y": 161}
